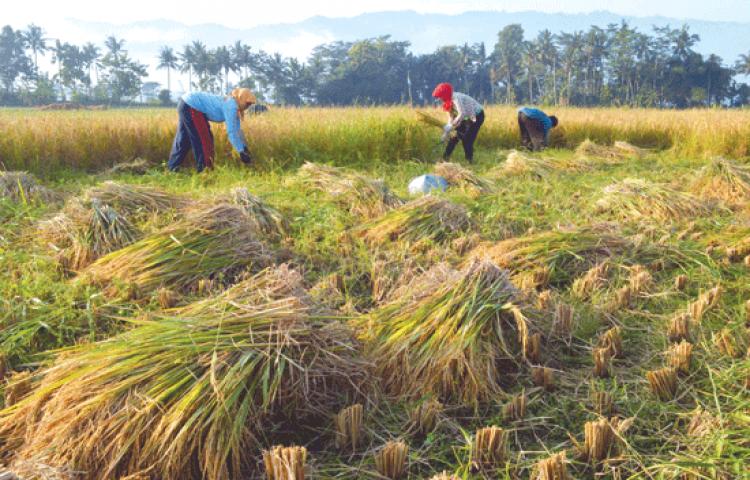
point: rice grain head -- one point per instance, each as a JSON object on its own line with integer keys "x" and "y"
{"x": 17, "y": 387}
{"x": 285, "y": 463}
{"x": 391, "y": 460}
{"x": 264, "y": 218}
{"x": 518, "y": 163}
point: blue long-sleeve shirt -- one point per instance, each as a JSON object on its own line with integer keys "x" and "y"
{"x": 540, "y": 116}
{"x": 218, "y": 109}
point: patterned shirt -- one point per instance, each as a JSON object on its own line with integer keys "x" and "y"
{"x": 464, "y": 108}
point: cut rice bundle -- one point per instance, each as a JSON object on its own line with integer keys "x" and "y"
{"x": 426, "y": 219}
{"x": 391, "y": 460}
{"x": 635, "y": 199}
{"x": 462, "y": 177}
{"x": 364, "y": 196}
{"x": 22, "y": 187}
{"x": 134, "y": 201}
{"x": 601, "y": 439}
{"x": 208, "y": 243}
{"x": 613, "y": 155}
{"x": 489, "y": 451}
{"x": 679, "y": 356}
{"x": 552, "y": 468}
{"x": 663, "y": 383}
{"x": 285, "y": 463}
{"x": 208, "y": 381}
{"x": 566, "y": 253}
{"x": 723, "y": 180}
{"x": 348, "y": 423}
{"x": 428, "y": 119}
{"x": 139, "y": 166}
{"x": 518, "y": 163}
{"x": 448, "y": 341}
{"x": 263, "y": 218}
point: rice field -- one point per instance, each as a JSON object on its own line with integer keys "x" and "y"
{"x": 579, "y": 313}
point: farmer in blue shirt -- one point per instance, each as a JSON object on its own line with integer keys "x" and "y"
{"x": 535, "y": 126}
{"x": 195, "y": 110}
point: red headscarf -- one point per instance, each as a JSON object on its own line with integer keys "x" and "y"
{"x": 444, "y": 92}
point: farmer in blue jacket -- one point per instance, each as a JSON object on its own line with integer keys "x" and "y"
{"x": 535, "y": 126}
{"x": 195, "y": 110}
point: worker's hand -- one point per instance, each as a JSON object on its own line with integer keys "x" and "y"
{"x": 245, "y": 156}
{"x": 447, "y": 128}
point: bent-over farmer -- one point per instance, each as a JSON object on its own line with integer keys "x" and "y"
{"x": 535, "y": 126}
{"x": 465, "y": 116}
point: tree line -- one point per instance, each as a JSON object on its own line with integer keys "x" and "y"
{"x": 615, "y": 65}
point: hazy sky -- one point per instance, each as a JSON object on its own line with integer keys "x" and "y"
{"x": 250, "y": 13}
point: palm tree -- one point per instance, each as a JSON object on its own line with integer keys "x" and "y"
{"x": 243, "y": 57}
{"x": 743, "y": 64}
{"x": 90, "y": 58}
{"x": 34, "y": 38}
{"x": 59, "y": 51}
{"x": 187, "y": 58}
{"x": 224, "y": 61}
{"x": 168, "y": 60}
{"x": 115, "y": 47}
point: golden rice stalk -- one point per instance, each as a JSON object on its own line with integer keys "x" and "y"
{"x": 566, "y": 253}
{"x": 544, "y": 300}
{"x": 17, "y": 387}
{"x": 679, "y": 328}
{"x": 489, "y": 450}
{"x": 329, "y": 291}
{"x": 445, "y": 476}
{"x": 210, "y": 242}
{"x": 703, "y": 304}
{"x": 167, "y": 298}
{"x": 543, "y": 377}
{"x": 702, "y": 424}
{"x": 600, "y": 440}
{"x": 427, "y": 218}
{"x": 680, "y": 282}
{"x": 423, "y": 418}
{"x": 728, "y": 343}
{"x": 537, "y": 278}
{"x": 602, "y": 358}
{"x": 138, "y": 166}
{"x": 679, "y": 355}
{"x": 134, "y": 201}
{"x": 285, "y": 463}
{"x": 615, "y": 154}
{"x": 519, "y": 163}
{"x": 634, "y": 199}
{"x": 663, "y": 383}
{"x": 623, "y": 298}
{"x": 263, "y": 218}
{"x": 363, "y": 196}
{"x": 629, "y": 149}
{"x": 593, "y": 280}
{"x": 533, "y": 348}
{"x": 428, "y": 119}
{"x": 348, "y": 423}
{"x": 390, "y": 271}
{"x": 211, "y": 377}
{"x": 640, "y": 280}
{"x": 515, "y": 409}
{"x": 723, "y": 180}
{"x": 414, "y": 344}
{"x": 462, "y": 177}
{"x": 612, "y": 341}
{"x": 562, "y": 324}
{"x": 4, "y": 367}
{"x": 22, "y": 187}
{"x": 391, "y": 460}
{"x": 602, "y": 402}
{"x": 552, "y": 468}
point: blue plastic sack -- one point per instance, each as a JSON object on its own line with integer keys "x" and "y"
{"x": 426, "y": 183}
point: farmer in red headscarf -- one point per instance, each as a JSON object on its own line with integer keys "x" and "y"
{"x": 465, "y": 116}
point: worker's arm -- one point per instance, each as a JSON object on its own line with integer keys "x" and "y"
{"x": 459, "y": 113}
{"x": 232, "y": 120}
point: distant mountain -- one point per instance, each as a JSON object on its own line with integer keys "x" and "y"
{"x": 425, "y": 31}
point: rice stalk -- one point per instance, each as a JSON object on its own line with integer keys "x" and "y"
{"x": 544, "y": 300}
{"x": 613, "y": 155}
{"x": 552, "y": 468}
{"x": 640, "y": 279}
{"x": 602, "y": 402}
{"x": 209, "y": 377}
{"x": 623, "y": 298}
{"x": 592, "y": 281}
{"x": 533, "y": 348}
{"x": 634, "y": 199}
{"x": 208, "y": 243}
{"x": 17, "y": 387}
{"x": 679, "y": 355}
{"x": 462, "y": 177}
{"x": 4, "y": 367}
{"x": 428, "y": 119}
{"x": 348, "y": 423}
{"x": 600, "y": 440}
{"x": 680, "y": 282}
{"x": 489, "y": 451}
{"x": 602, "y": 358}
{"x": 285, "y": 463}
{"x": 24, "y": 188}
{"x": 446, "y": 342}
{"x": 428, "y": 218}
{"x": 679, "y": 328}
{"x": 663, "y": 383}
{"x": 562, "y": 323}
{"x": 263, "y": 218}
{"x": 138, "y": 166}
{"x": 391, "y": 460}
{"x": 424, "y": 417}
{"x": 723, "y": 180}
{"x": 728, "y": 343}
{"x": 703, "y": 304}
{"x": 535, "y": 279}
{"x": 133, "y": 201}
{"x": 167, "y": 298}
{"x": 702, "y": 424}
{"x": 363, "y": 196}
{"x": 612, "y": 341}
{"x": 543, "y": 377}
{"x": 518, "y": 163}
{"x": 515, "y": 409}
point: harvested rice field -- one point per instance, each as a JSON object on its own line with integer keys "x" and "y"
{"x": 579, "y": 313}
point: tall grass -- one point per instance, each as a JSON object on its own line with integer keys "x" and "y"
{"x": 40, "y": 141}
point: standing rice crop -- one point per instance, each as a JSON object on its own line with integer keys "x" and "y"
{"x": 447, "y": 343}
{"x": 635, "y": 199}
{"x": 208, "y": 243}
{"x": 723, "y": 180}
{"x": 364, "y": 196}
{"x": 425, "y": 219}
{"x": 208, "y": 382}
